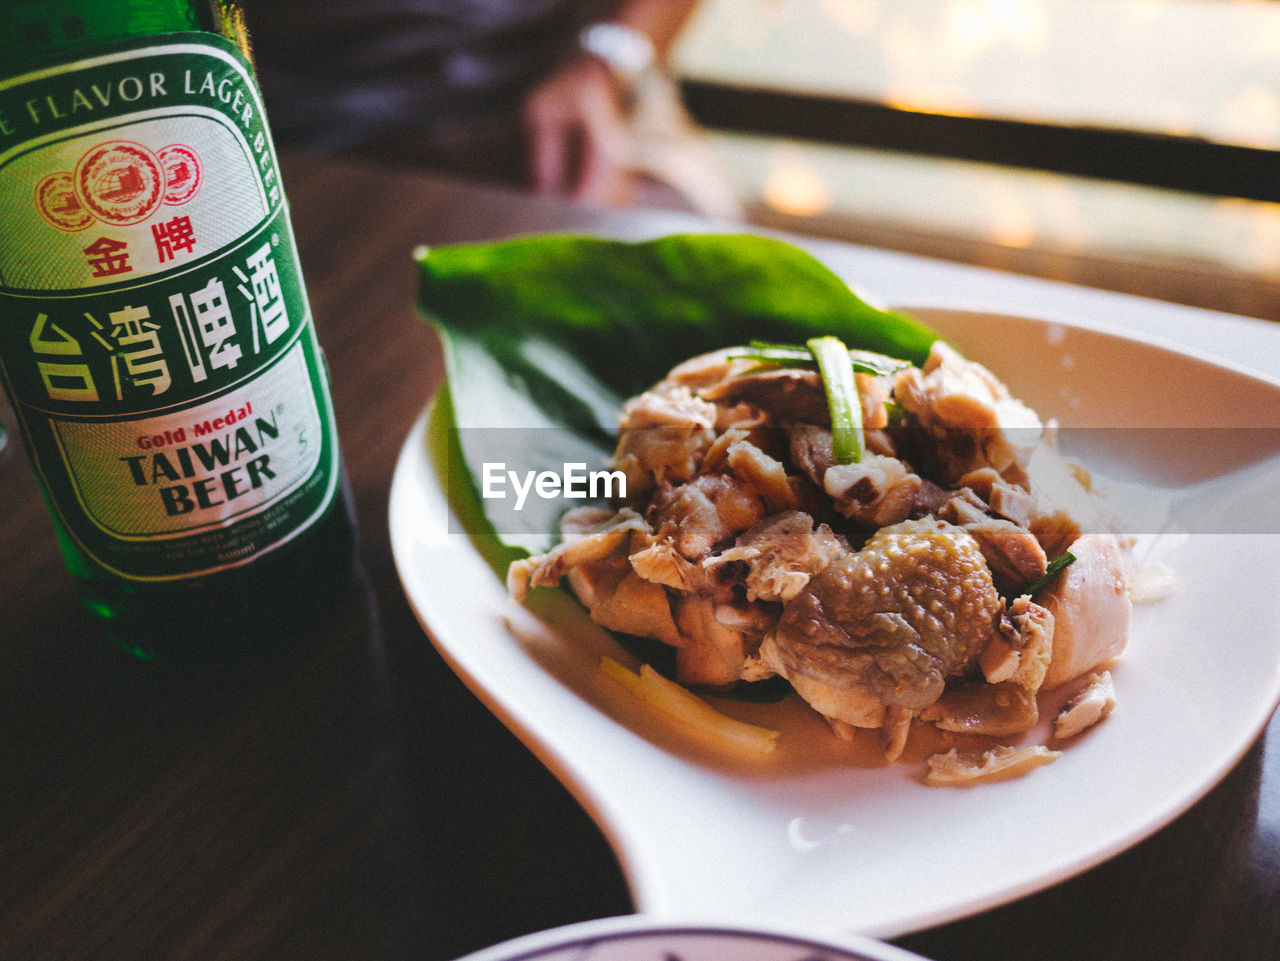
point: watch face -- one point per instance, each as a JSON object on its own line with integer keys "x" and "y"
{"x": 629, "y": 52}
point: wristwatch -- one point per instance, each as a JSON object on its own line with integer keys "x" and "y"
{"x": 628, "y": 52}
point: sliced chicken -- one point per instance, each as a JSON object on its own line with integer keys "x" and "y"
{"x": 1093, "y": 703}
{"x": 875, "y": 492}
{"x": 1090, "y": 607}
{"x": 707, "y": 511}
{"x": 619, "y": 599}
{"x": 785, "y": 393}
{"x": 663, "y": 438}
{"x": 996, "y": 710}
{"x": 764, "y": 473}
{"x": 1022, "y": 646}
{"x": 972, "y": 419}
{"x": 1013, "y": 553}
{"x": 960, "y": 767}
{"x": 891, "y": 592}
{"x": 661, "y": 563}
{"x": 708, "y": 652}
{"x": 589, "y": 534}
{"x": 780, "y": 555}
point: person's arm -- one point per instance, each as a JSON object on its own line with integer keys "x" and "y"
{"x": 579, "y": 139}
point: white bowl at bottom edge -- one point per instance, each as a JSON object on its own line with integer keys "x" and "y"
{"x": 638, "y": 937}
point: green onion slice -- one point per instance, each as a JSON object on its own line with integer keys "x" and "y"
{"x": 878, "y": 365}
{"x": 832, "y": 358}
{"x": 1052, "y": 570}
{"x": 793, "y": 355}
{"x": 789, "y": 355}
{"x": 837, "y": 364}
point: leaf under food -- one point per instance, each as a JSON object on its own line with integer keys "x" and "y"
{"x": 544, "y": 337}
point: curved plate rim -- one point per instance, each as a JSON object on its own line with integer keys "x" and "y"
{"x": 644, "y": 876}
{"x": 632, "y": 927}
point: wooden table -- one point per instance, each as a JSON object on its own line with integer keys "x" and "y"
{"x": 353, "y": 799}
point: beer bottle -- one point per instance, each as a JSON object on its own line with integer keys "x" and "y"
{"x": 156, "y": 340}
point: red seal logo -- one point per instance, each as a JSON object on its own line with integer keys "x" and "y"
{"x": 183, "y": 173}
{"x": 58, "y": 204}
{"x": 120, "y": 183}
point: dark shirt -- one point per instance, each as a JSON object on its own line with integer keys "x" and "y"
{"x": 343, "y": 75}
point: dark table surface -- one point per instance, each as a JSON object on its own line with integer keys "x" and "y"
{"x": 350, "y": 798}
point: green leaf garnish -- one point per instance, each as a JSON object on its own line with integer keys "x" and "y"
{"x": 786, "y": 355}
{"x": 1052, "y": 570}
{"x": 832, "y": 357}
{"x": 877, "y": 365}
{"x": 794, "y": 355}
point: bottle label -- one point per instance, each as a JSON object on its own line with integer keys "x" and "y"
{"x": 155, "y": 335}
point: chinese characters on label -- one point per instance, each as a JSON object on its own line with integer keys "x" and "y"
{"x": 129, "y": 351}
{"x": 108, "y": 257}
{"x": 172, "y": 236}
{"x": 261, "y": 287}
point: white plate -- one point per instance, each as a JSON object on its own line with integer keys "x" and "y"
{"x": 824, "y": 833}
{"x": 638, "y": 938}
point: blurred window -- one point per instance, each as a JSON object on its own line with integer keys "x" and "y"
{"x": 1142, "y": 128}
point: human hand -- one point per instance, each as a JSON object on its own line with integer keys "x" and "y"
{"x": 580, "y": 142}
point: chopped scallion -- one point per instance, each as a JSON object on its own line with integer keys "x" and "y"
{"x": 1052, "y": 570}
{"x": 832, "y": 358}
{"x": 786, "y": 354}
{"x": 792, "y": 355}
{"x": 878, "y": 365}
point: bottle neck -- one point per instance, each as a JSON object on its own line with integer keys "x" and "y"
{"x": 38, "y": 32}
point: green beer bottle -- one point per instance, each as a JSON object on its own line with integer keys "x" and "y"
{"x": 156, "y": 341}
